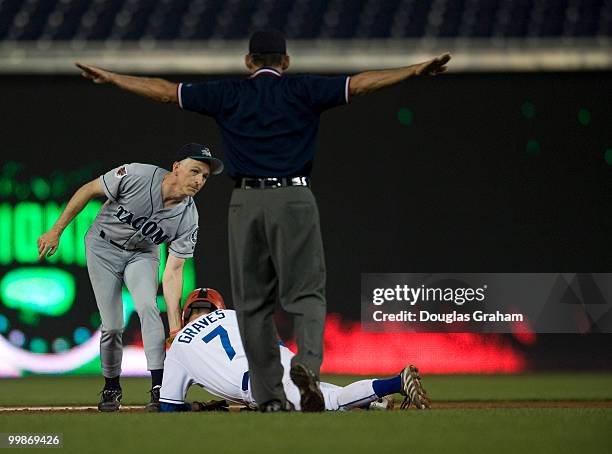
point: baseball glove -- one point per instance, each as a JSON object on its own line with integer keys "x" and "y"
{"x": 171, "y": 337}
{"x": 212, "y": 405}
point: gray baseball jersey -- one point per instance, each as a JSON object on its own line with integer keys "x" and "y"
{"x": 134, "y": 216}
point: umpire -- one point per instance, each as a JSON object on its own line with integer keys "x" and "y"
{"x": 269, "y": 123}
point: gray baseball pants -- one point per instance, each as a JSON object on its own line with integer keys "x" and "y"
{"x": 276, "y": 252}
{"x": 109, "y": 267}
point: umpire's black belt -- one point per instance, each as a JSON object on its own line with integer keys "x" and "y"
{"x": 271, "y": 182}
{"x": 114, "y": 243}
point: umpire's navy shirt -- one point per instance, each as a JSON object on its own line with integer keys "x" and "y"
{"x": 269, "y": 121}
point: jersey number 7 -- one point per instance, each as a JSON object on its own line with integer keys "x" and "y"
{"x": 225, "y": 341}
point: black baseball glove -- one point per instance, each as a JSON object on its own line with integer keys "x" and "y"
{"x": 212, "y": 405}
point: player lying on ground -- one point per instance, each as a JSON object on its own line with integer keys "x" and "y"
{"x": 208, "y": 352}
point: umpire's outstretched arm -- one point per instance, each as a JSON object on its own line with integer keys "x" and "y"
{"x": 154, "y": 88}
{"x": 370, "y": 81}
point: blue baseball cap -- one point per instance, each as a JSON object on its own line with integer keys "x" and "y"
{"x": 200, "y": 153}
{"x": 267, "y": 42}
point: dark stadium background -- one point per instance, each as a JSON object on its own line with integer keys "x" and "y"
{"x": 462, "y": 173}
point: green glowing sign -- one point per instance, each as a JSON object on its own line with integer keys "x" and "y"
{"x": 61, "y": 344}
{"x": 28, "y": 222}
{"x": 80, "y": 335}
{"x": 29, "y": 318}
{"x": 128, "y": 305}
{"x": 584, "y": 117}
{"x": 528, "y": 110}
{"x": 22, "y": 224}
{"x": 41, "y": 188}
{"x": 95, "y": 320}
{"x": 6, "y": 233}
{"x": 15, "y": 183}
{"x": 405, "y": 116}
{"x": 6, "y": 187}
{"x": 533, "y": 147}
{"x": 38, "y": 345}
{"x": 4, "y": 324}
{"x": 46, "y": 291}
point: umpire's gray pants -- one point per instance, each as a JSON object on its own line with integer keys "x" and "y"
{"x": 108, "y": 267}
{"x": 276, "y": 252}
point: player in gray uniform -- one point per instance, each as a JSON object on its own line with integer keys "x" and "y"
{"x": 146, "y": 206}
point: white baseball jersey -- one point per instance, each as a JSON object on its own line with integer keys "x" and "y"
{"x": 208, "y": 352}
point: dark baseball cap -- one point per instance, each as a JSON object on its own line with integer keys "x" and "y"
{"x": 267, "y": 42}
{"x": 200, "y": 153}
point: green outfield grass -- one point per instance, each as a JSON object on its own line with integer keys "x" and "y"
{"x": 79, "y": 390}
{"x": 542, "y": 430}
{"x": 451, "y": 431}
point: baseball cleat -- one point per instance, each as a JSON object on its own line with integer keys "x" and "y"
{"x": 311, "y": 397}
{"x": 154, "y": 404}
{"x": 382, "y": 403}
{"x": 275, "y": 406}
{"x": 110, "y": 400}
{"x": 412, "y": 389}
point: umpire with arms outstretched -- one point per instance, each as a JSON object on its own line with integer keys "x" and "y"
{"x": 269, "y": 123}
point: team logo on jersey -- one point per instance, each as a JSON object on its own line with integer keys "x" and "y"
{"x": 121, "y": 172}
{"x": 194, "y": 235}
{"x": 149, "y": 229}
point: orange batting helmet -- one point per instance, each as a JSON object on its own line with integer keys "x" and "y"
{"x": 204, "y": 298}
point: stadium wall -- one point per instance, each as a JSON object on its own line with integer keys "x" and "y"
{"x": 461, "y": 173}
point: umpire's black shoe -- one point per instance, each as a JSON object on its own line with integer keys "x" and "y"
{"x": 154, "y": 404}
{"x": 311, "y": 397}
{"x": 274, "y": 406}
{"x": 111, "y": 399}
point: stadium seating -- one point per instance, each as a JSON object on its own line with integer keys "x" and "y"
{"x": 164, "y": 20}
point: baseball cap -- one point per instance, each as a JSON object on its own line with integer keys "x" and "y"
{"x": 201, "y": 153}
{"x": 267, "y": 42}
